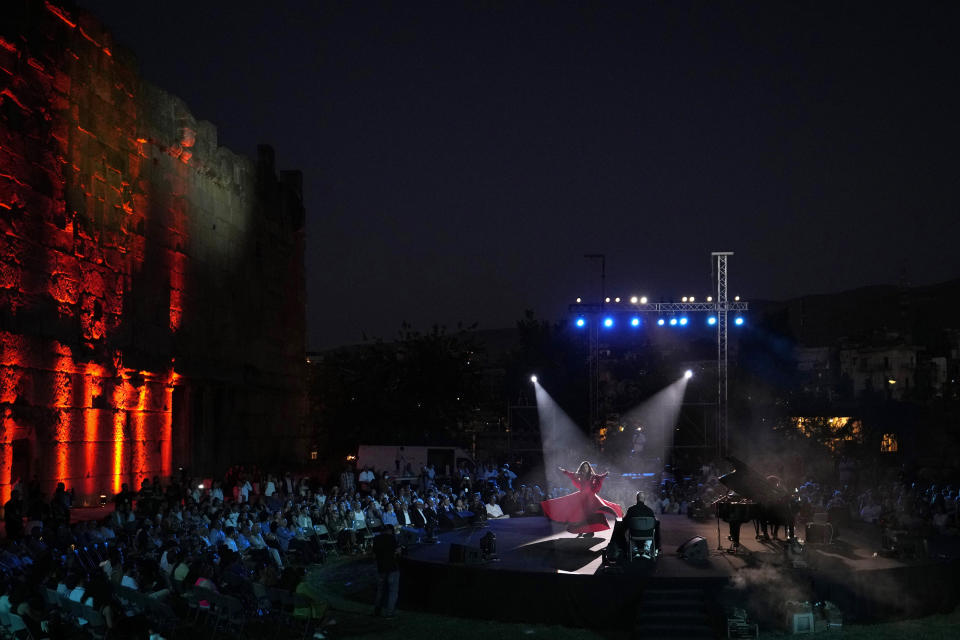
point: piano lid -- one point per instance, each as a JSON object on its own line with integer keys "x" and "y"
{"x": 750, "y": 484}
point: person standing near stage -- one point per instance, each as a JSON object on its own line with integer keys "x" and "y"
{"x": 13, "y": 516}
{"x": 387, "y": 552}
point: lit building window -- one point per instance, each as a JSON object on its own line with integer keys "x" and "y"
{"x": 831, "y": 431}
{"x": 313, "y": 455}
{"x": 889, "y": 443}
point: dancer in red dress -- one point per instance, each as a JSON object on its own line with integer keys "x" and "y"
{"x": 583, "y": 511}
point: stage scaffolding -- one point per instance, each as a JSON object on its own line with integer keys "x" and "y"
{"x": 720, "y": 305}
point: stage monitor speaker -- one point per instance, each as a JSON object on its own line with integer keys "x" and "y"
{"x": 695, "y": 549}
{"x": 462, "y": 554}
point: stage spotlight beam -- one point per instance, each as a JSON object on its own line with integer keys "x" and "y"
{"x": 688, "y": 374}
{"x": 533, "y": 379}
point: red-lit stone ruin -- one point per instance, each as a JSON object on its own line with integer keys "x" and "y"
{"x": 151, "y": 281}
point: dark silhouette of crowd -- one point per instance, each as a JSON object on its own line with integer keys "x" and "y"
{"x": 248, "y": 538}
{"x": 170, "y": 554}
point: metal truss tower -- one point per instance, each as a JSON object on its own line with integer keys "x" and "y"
{"x": 723, "y": 440}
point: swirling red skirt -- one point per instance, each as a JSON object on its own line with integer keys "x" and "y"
{"x": 583, "y": 511}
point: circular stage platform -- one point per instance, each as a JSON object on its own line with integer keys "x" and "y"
{"x": 544, "y": 574}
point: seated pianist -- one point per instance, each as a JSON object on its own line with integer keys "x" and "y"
{"x": 640, "y": 510}
{"x": 621, "y": 531}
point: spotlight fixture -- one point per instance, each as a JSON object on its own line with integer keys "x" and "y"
{"x": 660, "y": 322}
{"x": 688, "y": 374}
{"x": 738, "y": 321}
{"x": 673, "y": 322}
{"x": 634, "y": 321}
{"x": 580, "y": 322}
{"x": 709, "y": 298}
{"x": 633, "y": 300}
{"x": 736, "y": 298}
{"x": 617, "y": 300}
{"x": 643, "y": 299}
{"x": 712, "y": 320}
{"x": 683, "y": 322}
{"x": 608, "y": 322}
{"x": 692, "y": 299}
{"x": 578, "y": 300}
{"x": 533, "y": 379}
{"x": 606, "y": 299}
{"x": 683, "y": 299}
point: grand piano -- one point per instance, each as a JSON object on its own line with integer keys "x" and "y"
{"x": 758, "y": 498}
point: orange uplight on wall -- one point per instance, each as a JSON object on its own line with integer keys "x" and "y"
{"x": 166, "y": 435}
{"x": 119, "y": 421}
{"x": 138, "y": 417}
{"x": 63, "y": 401}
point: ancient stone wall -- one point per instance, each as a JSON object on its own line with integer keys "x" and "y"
{"x": 151, "y": 281}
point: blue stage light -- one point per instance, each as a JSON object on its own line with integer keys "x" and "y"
{"x": 635, "y": 322}
{"x": 673, "y": 322}
{"x": 712, "y": 320}
{"x": 660, "y": 322}
{"x": 580, "y": 322}
{"x": 608, "y": 322}
{"x": 683, "y": 322}
{"x": 738, "y": 321}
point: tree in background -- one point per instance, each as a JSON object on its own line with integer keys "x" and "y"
{"x": 424, "y": 387}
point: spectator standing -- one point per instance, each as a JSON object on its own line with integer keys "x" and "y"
{"x": 347, "y": 483}
{"x": 508, "y": 476}
{"x": 387, "y": 551}
{"x": 13, "y": 516}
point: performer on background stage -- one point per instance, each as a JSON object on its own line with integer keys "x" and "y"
{"x": 583, "y": 511}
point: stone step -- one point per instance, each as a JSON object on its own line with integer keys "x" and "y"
{"x": 673, "y": 632}
{"x": 671, "y": 603}
{"x": 653, "y": 615}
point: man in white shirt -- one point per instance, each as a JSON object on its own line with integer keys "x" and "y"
{"x": 230, "y": 539}
{"x": 493, "y": 509}
{"x": 232, "y": 519}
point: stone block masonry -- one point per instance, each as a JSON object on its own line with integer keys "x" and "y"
{"x": 151, "y": 281}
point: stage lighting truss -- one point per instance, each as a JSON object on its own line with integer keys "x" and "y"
{"x": 673, "y": 314}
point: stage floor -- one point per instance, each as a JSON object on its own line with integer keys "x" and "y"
{"x": 536, "y": 544}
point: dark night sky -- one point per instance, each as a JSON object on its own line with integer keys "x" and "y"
{"x": 460, "y": 159}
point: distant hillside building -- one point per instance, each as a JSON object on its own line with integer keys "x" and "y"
{"x": 888, "y": 370}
